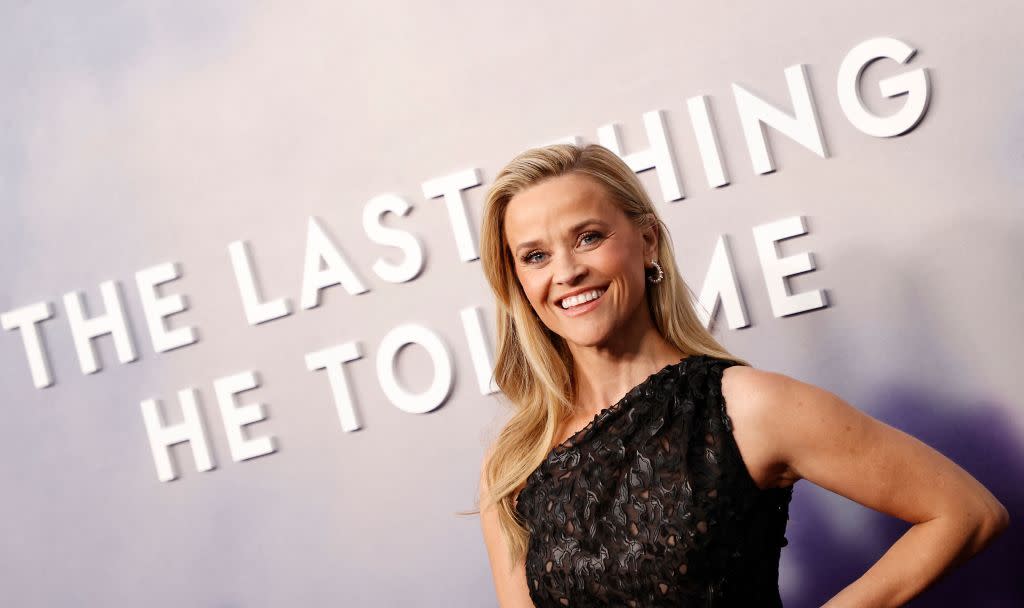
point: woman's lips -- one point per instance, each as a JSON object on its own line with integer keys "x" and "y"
{"x": 575, "y": 311}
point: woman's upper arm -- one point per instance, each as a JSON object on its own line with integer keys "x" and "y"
{"x": 830, "y": 443}
{"x": 509, "y": 582}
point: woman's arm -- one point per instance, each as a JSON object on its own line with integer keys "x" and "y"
{"x": 509, "y": 582}
{"x": 817, "y": 436}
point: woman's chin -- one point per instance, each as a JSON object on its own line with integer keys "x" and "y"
{"x": 582, "y": 339}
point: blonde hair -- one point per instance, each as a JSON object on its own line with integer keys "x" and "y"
{"x": 533, "y": 366}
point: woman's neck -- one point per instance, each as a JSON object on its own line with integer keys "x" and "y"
{"x": 603, "y": 376}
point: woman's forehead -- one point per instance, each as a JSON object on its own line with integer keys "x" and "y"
{"x": 555, "y": 205}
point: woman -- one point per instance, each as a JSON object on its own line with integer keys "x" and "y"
{"x": 677, "y": 493}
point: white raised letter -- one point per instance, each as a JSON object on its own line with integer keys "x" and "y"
{"x": 236, "y": 417}
{"x": 156, "y": 308}
{"x": 162, "y": 437}
{"x": 84, "y": 330}
{"x": 337, "y": 271}
{"x": 333, "y": 360}
{"x": 478, "y": 350}
{"x": 707, "y": 140}
{"x": 412, "y": 264}
{"x": 776, "y": 269}
{"x": 914, "y": 84}
{"x": 802, "y": 128}
{"x": 720, "y": 284}
{"x": 256, "y": 312}
{"x": 27, "y": 319}
{"x": 438, "y": 391}
{"x": 451, "y": 187}
{"x": 659, "y": 156}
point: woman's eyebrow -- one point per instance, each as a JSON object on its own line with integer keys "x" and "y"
{"x": 573, "y": 228}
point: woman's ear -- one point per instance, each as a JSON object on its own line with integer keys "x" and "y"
{"x": 650, "y": 234}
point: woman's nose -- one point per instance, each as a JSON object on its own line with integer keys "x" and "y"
{"x": 568, "y": 270}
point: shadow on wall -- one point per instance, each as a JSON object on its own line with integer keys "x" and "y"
{"x": 916, "y": 305}
{"x": 980, "y": 439}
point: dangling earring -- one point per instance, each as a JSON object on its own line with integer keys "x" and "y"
{"x": 659, "y": 276}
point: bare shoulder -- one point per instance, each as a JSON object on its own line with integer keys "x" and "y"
{"x": 748, "y": 382}
{"x": 755, "y": 400}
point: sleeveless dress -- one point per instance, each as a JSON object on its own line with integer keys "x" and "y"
{"x": 651, "y": 504}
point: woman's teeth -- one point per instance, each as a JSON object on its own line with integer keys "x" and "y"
{"x": 582, "y": 298}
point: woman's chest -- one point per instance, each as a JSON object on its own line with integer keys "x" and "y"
{"x": 647, "y": 523}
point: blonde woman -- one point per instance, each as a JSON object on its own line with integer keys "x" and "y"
{"x": 643, "y": 464}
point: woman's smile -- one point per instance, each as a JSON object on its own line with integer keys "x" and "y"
{"x": 587, "y": 306}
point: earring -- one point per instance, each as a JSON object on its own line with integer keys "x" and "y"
{"x": 661, "y": 273}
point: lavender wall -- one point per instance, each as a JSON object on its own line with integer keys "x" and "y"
{"x": 160, "y": 137}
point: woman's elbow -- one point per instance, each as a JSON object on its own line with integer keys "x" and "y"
{"x": 993, "y": 521}
{"x": 1000, "y": 519}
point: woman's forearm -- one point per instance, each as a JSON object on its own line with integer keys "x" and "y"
{"x": 917, "y": 559}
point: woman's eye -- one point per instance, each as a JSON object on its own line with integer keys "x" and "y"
{"x": 586, "y": 238}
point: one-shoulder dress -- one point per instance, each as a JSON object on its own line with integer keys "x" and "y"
{"x": 651, "y": 504}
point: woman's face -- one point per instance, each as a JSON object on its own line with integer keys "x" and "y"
{"x": 565, "y": 235}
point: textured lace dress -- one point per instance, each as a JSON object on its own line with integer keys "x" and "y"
{"x": 651, "y": 505}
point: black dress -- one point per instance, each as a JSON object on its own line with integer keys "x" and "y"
{"x": 651, "y": 505}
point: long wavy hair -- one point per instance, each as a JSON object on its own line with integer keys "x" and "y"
{"x": 533, "y": 366}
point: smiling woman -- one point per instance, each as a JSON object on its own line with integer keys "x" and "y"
{"x": 564, "y": 224}
{"x": 678, "y": 492}
{"x": 573, "y": 240}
